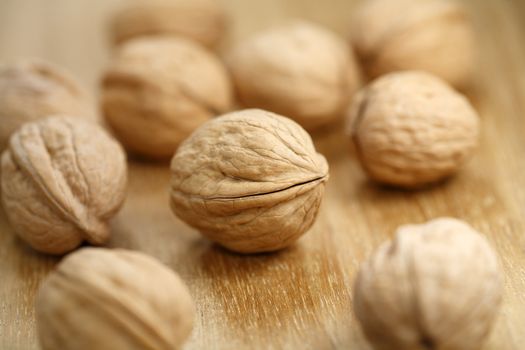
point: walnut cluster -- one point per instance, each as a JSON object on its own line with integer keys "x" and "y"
{"x": 251, "y": 180}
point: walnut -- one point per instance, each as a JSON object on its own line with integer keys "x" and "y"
{"x": 297, "y": 69}
{"x": 158, "y": 90}
{"x": 411, "y": 129}
{"x": 429, "y": 35}
{"x": 250, "y": 181}
{"x": 34, "y": 89}
{"x": 435, "y": 286}
{"x": 61, "y": 180}
{"x": 113, "y": 300}
{"x": 204, "y": 21}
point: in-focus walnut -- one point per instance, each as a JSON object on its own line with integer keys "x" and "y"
{"x": 429, "y": 35}
{"x": 113, "y": 300}
{"x": 435, "y": 286}
{"x": 250, "y": 181}
{"x": 158, "y": 90}
{"x": 30, "y": 90}
{"x": 297, "y": 69}
{"x": 61, "y": 180}
{"x": 204, "y": 21}
{"x": 411, "y": 129}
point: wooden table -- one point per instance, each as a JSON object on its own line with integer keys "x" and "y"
{"x": 300, "y": 298}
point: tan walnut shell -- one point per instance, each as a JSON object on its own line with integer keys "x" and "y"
{"x": 250, "y": 181}
{"x": 435, "y": 286}
{"x": 297, "y": 69}
{"x": 410, "y": 129}
{"x": 33, "y": 89}
{"x": 113, "y": 300}
{"x": 204, "y": 21}
{"x": 61, "y": 180}
{"x": 430, "y": 35}
{"x": 158, "y": 90}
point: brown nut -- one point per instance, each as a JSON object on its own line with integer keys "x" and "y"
{"x": 62, "y": 180}
{"x": 113, "y": 300}
{"x": 435, "y": 286}
{"x": 297, "y": 69}
{"x": 30, "y": 90}
{"x": 158, "y": 90}
{"x": 250, "y": 181}
{"x": 411, "y": 129}
{"x": 429, "y": 35}
{"x": 204, "y": 21}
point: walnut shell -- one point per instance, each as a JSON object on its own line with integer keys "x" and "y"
{"x": 204, "y": 21}
{"x": 32, "y": 89}
{"x": 297, "y": 69}
{"x": 435, "y": 286}
{"x": 250, "y": 181}
{"x": 61, "y": 180}
{"x": 411, "y": 129}
{"x": 429, "y": 35}
{"x": 158, "y": 90}
{"x": 113, "y": 300}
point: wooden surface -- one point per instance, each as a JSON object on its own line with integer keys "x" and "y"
{"x": 300, "y": 298}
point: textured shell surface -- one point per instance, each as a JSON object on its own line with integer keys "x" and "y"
{"x": 61, "y": 180}
{"x": 158, "y": 90}
{"x": 430, "y": 35}
{"x": 204, "y": 21}
{"x": 435, "y": 286}
{"x": 33, "y": 89}
{"x": 411, "y": 129}
{"x": 297, "y": 69}
{"x": 113, "y": 300}
{"x": 249, "y": 180}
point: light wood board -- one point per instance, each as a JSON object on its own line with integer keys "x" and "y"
{"x": 300, "y": 298}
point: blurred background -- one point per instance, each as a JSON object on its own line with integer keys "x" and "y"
{"x": 75, "y": 34}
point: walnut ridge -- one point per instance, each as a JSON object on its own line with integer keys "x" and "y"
{"x": 250, "y": 181}
{"x": 297, "y": 69}
{"x": 435, "y": 286}
{"x": 410, "y": 129}
{"x": 430, "y": 35}
{"x": 113, "y": 300}
{"x": 61, "y": 180}
{"x": 204, "y": 21}
{"x": 158, "y": 90}
{"x": 33, "y": 89}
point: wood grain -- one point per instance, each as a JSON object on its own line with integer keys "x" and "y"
{"x": 300, "y": 298}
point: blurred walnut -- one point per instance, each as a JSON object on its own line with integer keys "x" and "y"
{"x": 411, "y": 129}
{"x": 61, "y": 180}
{"x": 297, "y": 69}
{"x": 158, "y": 90}
{"x": 204, "y": 21}
{"x": 30, "y": 90}
{"x": 250, "y": 180}
{"x": 113, "y": 300}
{"x": 435, "y": 286}
{"x": 430, "y": 35}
